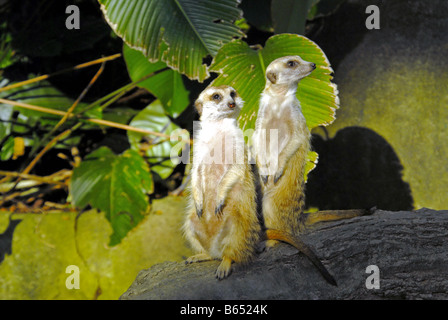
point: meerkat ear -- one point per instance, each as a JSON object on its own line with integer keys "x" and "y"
{"x": 272, "y": 76}
{"x": 198, "y": 106}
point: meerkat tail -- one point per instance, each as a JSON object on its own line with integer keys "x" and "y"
{"x": 335, "y": 215}
{"x": 272, "y": 234}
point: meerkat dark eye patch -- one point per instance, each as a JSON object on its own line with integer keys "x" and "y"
{"x": 216, "y": 97}
{"x": 291, "y": 63}
{"x": 233, "y": 94}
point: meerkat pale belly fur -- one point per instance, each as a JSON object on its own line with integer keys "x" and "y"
{"x": 280, "y": 123}
{"x": 222, "y": 221}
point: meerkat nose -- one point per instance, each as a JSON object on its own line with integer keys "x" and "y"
{"x": 231, "y": 105}
{"x": 313, "y": 65}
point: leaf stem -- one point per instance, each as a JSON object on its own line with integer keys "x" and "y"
{"x": 96, "y": 121}
{"x": 68, "y": 112}
{"x": 115, "y": 95}
{"x": 46, "y": 76}
{"x": 260, "y": 58}
{"x": 41, "y": 179}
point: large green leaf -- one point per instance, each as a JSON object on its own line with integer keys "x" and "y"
{"x": 179, "y": 32}
{"x": 311, "y": 163}
{"x": 243, "y": 68}
{"x": 115, "y": 184}
{"x": 158, "y": 151}
{"x": 167, "y": 86}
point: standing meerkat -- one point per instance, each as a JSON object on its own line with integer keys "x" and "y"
{"x": 281, "y": 143}
{"x": 222, "y": 221}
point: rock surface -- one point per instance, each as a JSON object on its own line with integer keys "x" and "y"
{"x": 410, "y": 249}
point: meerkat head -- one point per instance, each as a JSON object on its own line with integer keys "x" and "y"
{"x": 288, "y": 70}
{"x": 215, "y": 103}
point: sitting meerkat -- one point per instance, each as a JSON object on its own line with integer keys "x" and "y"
{"x": 281, "y": 143}
{"x": 222, "y": 221}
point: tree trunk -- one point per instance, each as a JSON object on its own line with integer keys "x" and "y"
{"x": 410, "y": 249}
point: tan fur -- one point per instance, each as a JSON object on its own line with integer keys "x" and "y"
{"x": 222, "y": 220}
{"x": 282, "y": 173}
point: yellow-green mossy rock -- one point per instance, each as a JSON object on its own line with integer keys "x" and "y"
{"x": 394, "y": 82}
{"x": 44, "y": 245}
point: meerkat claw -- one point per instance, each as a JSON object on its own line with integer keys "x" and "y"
{"x": 277, "y": 176}
{"x": 199, "y": 212}
{"x": 219, "y": 208}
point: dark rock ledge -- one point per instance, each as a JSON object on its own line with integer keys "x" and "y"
{"x": 410, "y": 249}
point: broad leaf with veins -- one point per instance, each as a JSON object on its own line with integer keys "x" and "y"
{"x": 115, "y": 184}
{"x": 180, "y": 33}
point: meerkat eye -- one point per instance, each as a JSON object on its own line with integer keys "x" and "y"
{"x": 232, "y": 94}
{"x": 216, "y": 97}
{"x": 291, "y": 63}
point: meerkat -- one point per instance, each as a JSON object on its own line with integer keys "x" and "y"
{"x": 222, "y": 221}
{"x": 281, "y": 142}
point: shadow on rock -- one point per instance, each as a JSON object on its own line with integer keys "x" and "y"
{"x": 357, "y": 169}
